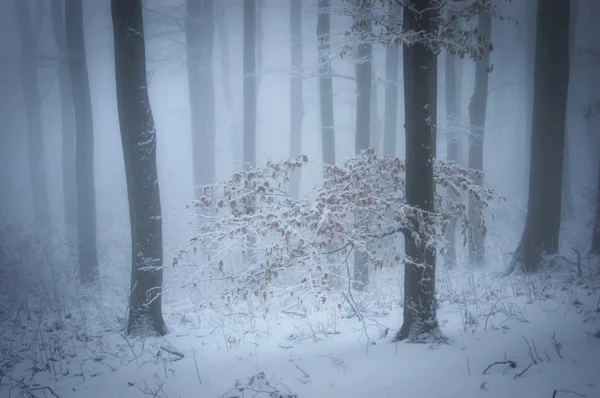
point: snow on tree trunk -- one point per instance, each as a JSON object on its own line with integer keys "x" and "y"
{"x": 67, "y": 120}
{"x": 138, "y": 137}
{"x": 362, "y": 135}
{"x": 551, "y": 83}
{"x": 477, "y": 115}
{"x": 31, "y": 96}
{"x": 325, "y": 84}
{"x": 84, "y": 147}
{"x": 420, "y": 80}
{"x": 199, "y": 46}
{"x": 296, "y": 102}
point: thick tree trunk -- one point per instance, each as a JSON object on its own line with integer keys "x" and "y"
{"x": 375, "y": 125}
{"x": 551, "y": 83}
{"x": 452, "y": 123}
{"x": 258, "y": 44}
{"x": 67, "y": 120}
{"x": 35, "y": 145}
{"x": 596, "y": 231}
{"x": 325, "y": 83}
{"x": 420, "y": 81}
{"x": 199, "y": 46}
{"x": 477, "y": 115}
{"x": 138, "y": 137}
{"x": 84, "y": 148}
{"x": 392, "y": 59}
{"x": 296, "y": 102}
{"x": 362, "y": 137}
{"x": 223, "y": 37}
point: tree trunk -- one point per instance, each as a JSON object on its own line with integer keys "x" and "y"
{"x": 375, "y": 124}
{"x": 84, "y": 147}
{"x": 67, "y": 119}
{"x": 420, "y": 80}
{"x": 325, "y": 83}
{"x": 249, "y": 86}
{"x": 138, "y": 137}
{"x": 199, "y": 46}
{"x": 296, "y": 102}
{"x": 362, "y": 135}
{"x": 35, "y": 145}
{"x": 452, "y": 123}
{"x": 392, "y": 59}
{"x": 223, "y": 38}
{"x": 258, "y": 44}
{"x": 551, "y": 83}
{"x": 477, "y": 115}
{"x": 596, "y": 231}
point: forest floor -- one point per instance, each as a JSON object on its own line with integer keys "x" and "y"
{"x": 518, "y": 336}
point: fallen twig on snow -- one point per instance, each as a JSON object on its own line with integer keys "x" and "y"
{"x": 512, "y": 364}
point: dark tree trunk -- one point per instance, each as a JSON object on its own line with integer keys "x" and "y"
{"x": 420, "y": 81}
{"x": 362, "y": 137}
{"x": 138, "y": 137}
{"x": 296, "y": 102}
{"x": 67, "y": 119}
{"x": 325, "y": 83}
{"x": 249, "y": 86}
{"x": 477, "y": 115}
{"x": 392, "y": 59}
{"x": 84, "y": 147}
{"x": 551, "y": 83}
{"x": 35, "y": 145}
{"x": 452, "y": 123}
{"x": 223, "y": 37}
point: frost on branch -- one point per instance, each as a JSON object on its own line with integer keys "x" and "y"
{"x": 462, "y": 40}
{"x": 302, "y": 244}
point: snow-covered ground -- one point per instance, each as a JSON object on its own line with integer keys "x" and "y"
{"x": 538, "y": 333}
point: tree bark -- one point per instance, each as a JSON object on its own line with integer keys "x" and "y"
{"x": 223, "y": 37}
{"x": 596, "y": 231}
{"x": 375, "y": 124}
{"x": 35, "y": 145}
{"x": 325, "y": 83}
{"x": 392, "y": 59}
{"x": 551, "y": 83}
{"x": 249, "y": 86}
{"x": 199, "y": 47}
{"x": 258, "y": 44}
{"x": 452, "y": 125}
{"x": 84, "y": 147}
{"x": 138, "y": 137}
{"x": 67, "y": 119}
{"x": 420, "y": 81}
{"x": 296, "y": 102}
{"x": 362, "y": 137}
{"x": 477, "y": 115}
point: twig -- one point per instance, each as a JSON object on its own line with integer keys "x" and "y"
{"x": 525, "y": 370}
{"x": 172, "y": 352}
{"x": 556, "y": 344}
{"x": 567, "y": 391}
{"x": 196, "y": 365}
{"x": 512, "y": 364}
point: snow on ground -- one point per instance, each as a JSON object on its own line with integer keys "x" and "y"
{"x": 545, "y": 325}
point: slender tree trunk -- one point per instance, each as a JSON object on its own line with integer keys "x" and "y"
{"x": 199, "y": 40}
{"x": 258, "y": 44}
{"x": 138, "y": 137}
{"x": 596, "y": 231}
{"x": 249, "y": 86}
{"x": 67, "y": 119}
{"x": 223, "y": 38}
{"x": 477, "y": 115}
{"x": 362, "y": 135}
{"x": 84, "y": 148}
{"x": 452, "y": 123}
{"x": 420, "y": 80}
{"x": 31, "y": 96}
{"x": 551, "y": 83}
{"x": 375, "y": 124}
{"x": 392, "y": 59}
{"x": 296, "y": 102}
{"x": 325, "y": 83}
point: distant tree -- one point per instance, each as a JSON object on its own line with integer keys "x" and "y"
{"x": 325, "y": 83}
{"x": 223, "y": 38}
{"x": 28, "y": 35}
{"x": 392, "y": 62}
{"x": 199, "y": 45}
{"x": 362, "y": 137}
{"x": 67, "y": 117}
{"x": 138, "y": 136}
{"x": 551, "y": 83}
{"x": 296, "y": 102}
{"x": 84, "y": 147}
{"x": 249, "y": 86}
{"x": 477, "y": 115}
